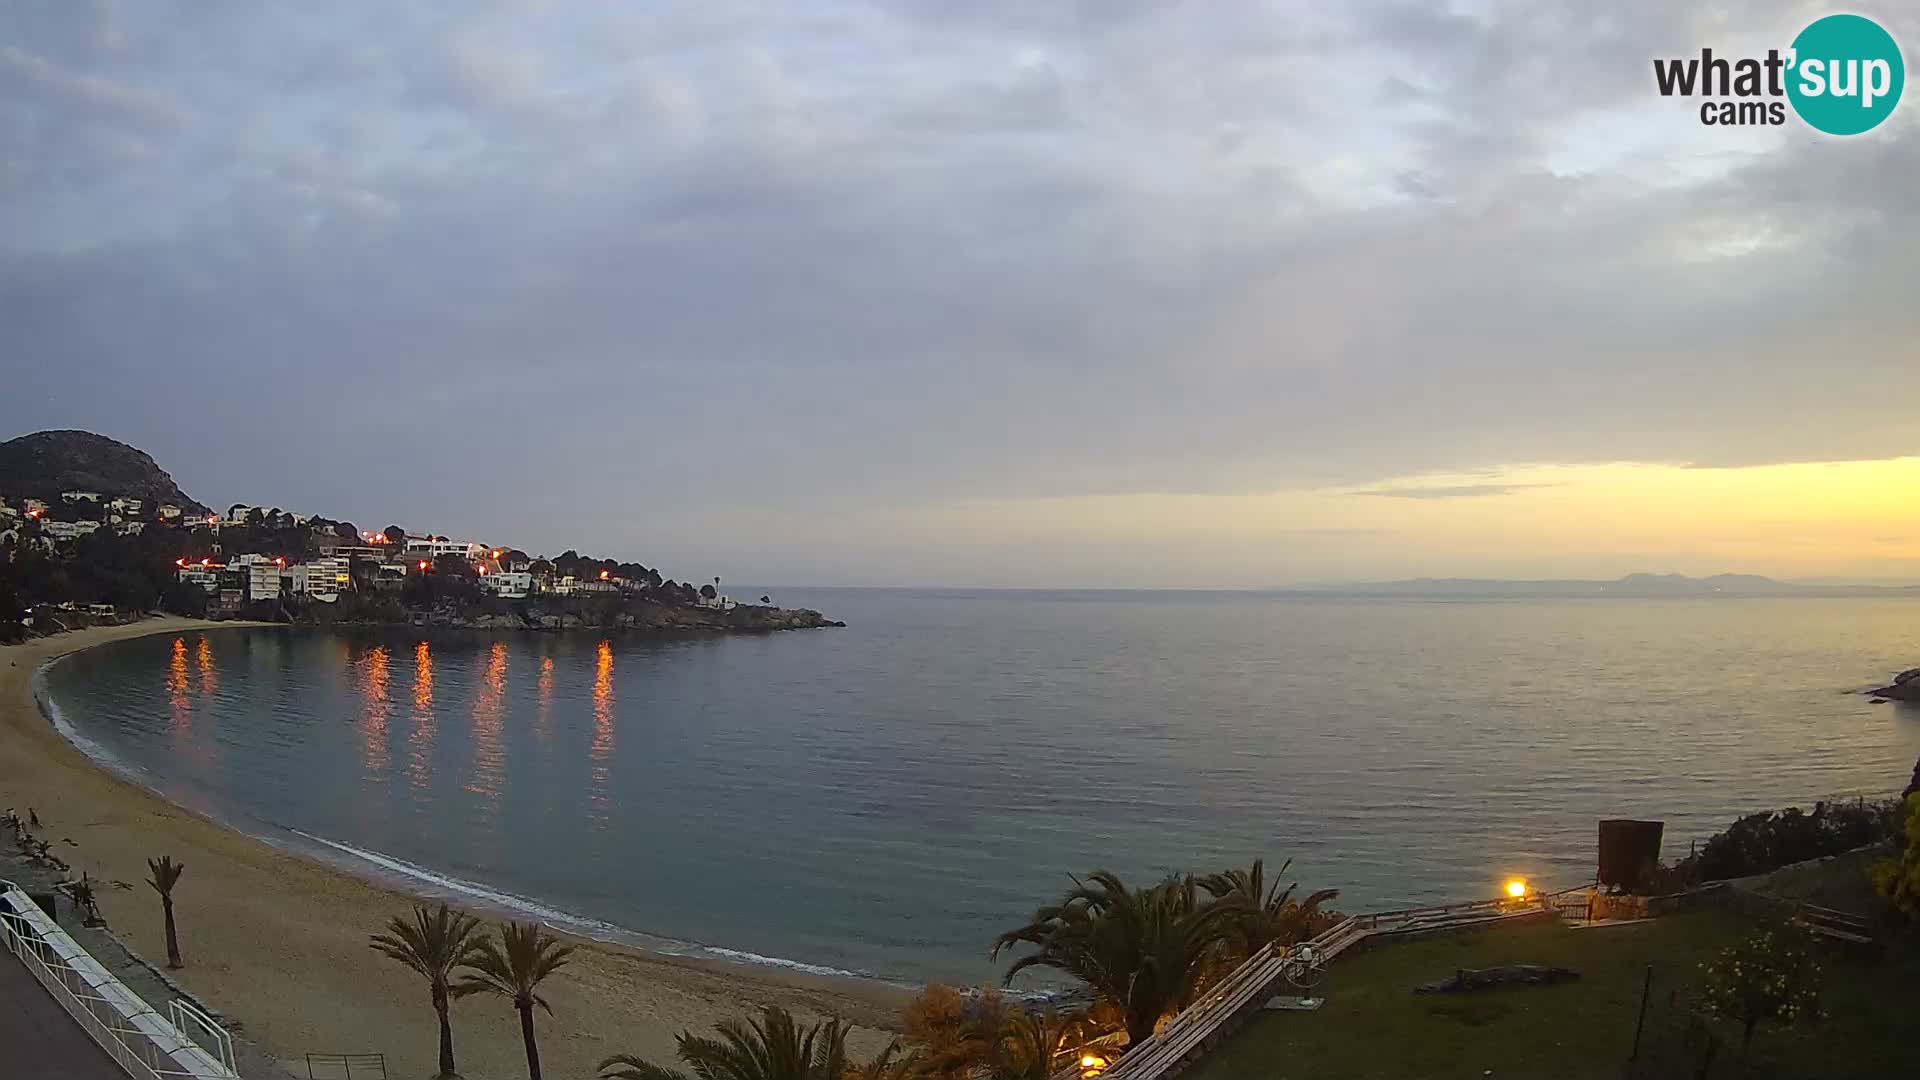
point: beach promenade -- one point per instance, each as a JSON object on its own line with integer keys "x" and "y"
{"x": 39, "y": 1037}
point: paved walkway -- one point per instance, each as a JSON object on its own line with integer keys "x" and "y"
{"x": 37, "y": 1037}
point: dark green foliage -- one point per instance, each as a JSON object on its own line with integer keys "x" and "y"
{"x": 1898, "y": 877}
{"x": 1767, "y": 841}
{"x": 771, "y": 1047}
{"x": 514, "y": 967}
{"x": 434, "y": 943}
{"x": 1147, "y": 952}
{"x": 1269, "y": 914}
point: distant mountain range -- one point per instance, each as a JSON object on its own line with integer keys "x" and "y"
{"x": 1633, "y": 585}
{"x": 46, "y": 463}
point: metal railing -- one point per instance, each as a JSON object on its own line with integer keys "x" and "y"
{"x": 141, "y": 1041}
{"x": 190, "y": 1021}
{"x": 347, "y": 1066}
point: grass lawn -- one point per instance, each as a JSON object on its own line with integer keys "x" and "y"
{"x": 1373, "y": 1025}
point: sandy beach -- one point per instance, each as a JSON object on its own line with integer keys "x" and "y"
{"x": 279, "y": 943}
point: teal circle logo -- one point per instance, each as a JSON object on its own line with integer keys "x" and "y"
{"x": 1846, "y": 74}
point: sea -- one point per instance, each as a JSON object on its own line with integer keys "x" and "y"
{"x": 882, "y": 800}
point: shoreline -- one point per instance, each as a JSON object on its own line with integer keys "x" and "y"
{"x": 276, "y": 939}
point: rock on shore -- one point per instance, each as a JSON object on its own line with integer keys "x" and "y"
{"x": 1905, "y": 687}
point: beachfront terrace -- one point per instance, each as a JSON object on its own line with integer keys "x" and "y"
{"x": 108, "y": 1030}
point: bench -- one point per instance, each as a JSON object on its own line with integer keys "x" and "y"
{"x": 1835, "y": 925}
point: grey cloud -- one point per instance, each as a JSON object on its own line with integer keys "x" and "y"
{"x": 846, "y": 255}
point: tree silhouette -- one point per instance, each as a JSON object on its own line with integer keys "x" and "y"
{"x": 166, "y": 874}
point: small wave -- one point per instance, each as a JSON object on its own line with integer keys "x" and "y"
{"x": 596, "y": 929}
{"x": 95, "y": 750}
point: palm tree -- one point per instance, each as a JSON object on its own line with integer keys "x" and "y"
{"x": 166, "y": 873}
{"x": 771, "y": 1047}
{"x": 1145, "y": 951}
{"x": 513, "y": 968}
{"x": 1267, "y": 915}
{"x": 433, "y": 944}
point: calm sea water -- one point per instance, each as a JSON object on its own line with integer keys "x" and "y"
{"x": 886, "y": 797}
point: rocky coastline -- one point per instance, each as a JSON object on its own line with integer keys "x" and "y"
{"x": 553, "y": 614}
{"x": 1904, "y": 687}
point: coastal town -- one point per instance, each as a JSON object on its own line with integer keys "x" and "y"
{"x": 254, "y": 554}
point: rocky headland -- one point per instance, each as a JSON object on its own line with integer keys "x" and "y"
{"x": 552, "y": 613}
{"x": 1904, "y": 687}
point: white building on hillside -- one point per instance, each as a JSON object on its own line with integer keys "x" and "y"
{"x": 69, "y": 530}
{"x": 124, "y": 505}
{"x": 80, "y": 496}
{"x": 259, "y": 576}
{"x": 508, "y": 584}
{"x": 128, "y": 528}
{"x": 35, "y": 506}
{"x": 168, "y": 512}
{"x": 205, "y": 574}
{"x": 322, "y": 579}
{"x": 428, "y": 547}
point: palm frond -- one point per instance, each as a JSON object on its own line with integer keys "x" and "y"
{"x": 629, "y": 1067}
{"x": 166, "y": 873}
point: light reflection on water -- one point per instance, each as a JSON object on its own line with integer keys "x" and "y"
{"x": 489, "y": 760}
{"x": 601, "y": 750}
{"x": 890, "y": 796}
{"x": 420, "y": 743}
{"x": 379, "y": 708}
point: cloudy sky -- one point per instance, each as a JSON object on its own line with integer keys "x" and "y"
{"x": 1106, "y": 292}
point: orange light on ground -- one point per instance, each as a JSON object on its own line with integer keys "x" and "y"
{"x": 206, "y": 562}
{"x": 1092, "y": 1065}
{"x": 423, "y": 565}
{"x": 603, "y": 575}
{"x": 179, "y": 562}
{"x": 279, "y": 562}
{"x": 1517, "y": 889}
{"x": 482, "y": 567}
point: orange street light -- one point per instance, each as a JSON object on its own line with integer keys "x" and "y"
{"x": 497, "y": 554}
{"x": 1517, "y": 888}
{"x": 603, "y": 575}
{"x": 279, "y": 561}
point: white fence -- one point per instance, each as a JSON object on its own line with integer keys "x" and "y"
{"x": 144, "y": 1043}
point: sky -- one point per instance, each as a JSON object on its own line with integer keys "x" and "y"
{"x": 1072, "y": 293}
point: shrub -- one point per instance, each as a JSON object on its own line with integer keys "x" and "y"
{"x": 1898, "y": 878}
{"x": 1767, "y": 979}
{"x": 1767, "y": 841}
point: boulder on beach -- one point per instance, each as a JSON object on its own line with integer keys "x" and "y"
{"x": 1904, "y": 687}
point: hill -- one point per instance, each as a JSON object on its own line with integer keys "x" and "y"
{"x": 46, "y": 463}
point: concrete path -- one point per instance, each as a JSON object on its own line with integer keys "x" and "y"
{"x": 37, "y": 1037}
